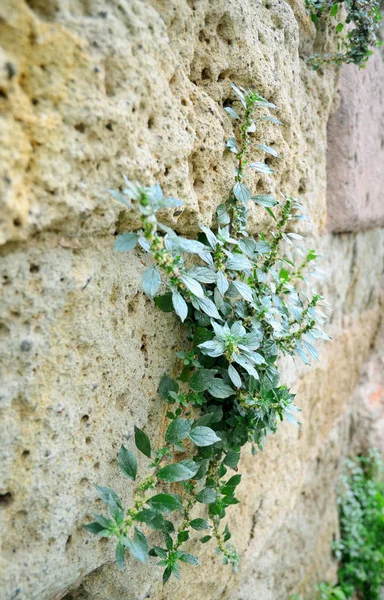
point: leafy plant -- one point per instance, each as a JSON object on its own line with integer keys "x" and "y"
{"x": 242, "y": 306}
{"x": 354, "y": 46}
{"x": 360, "y": 549}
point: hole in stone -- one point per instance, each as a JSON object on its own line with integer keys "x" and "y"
{"x": 35, "y": 101}
{"x": 80, "y": 127}
{"x": 6, "y": 499}
{"x": 96, "y": 466}
{"x": 68, "y": 542}
{"x": 34, "y": 269}
{"x": 84, "y": 418}
{"x": 3, "y": 94}
{"x": 109, "y": 126}
{"x": 25, "y": 453}
{"x": 151, "y": 122}
{"x": 17, "y": 222}
{"x": 206, "y": 74}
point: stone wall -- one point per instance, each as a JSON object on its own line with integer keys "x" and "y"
{"x": 90, "y": 90}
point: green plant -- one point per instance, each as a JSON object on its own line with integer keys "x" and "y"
{"x": 239, "y": 301}
{"x": 325, "y": 591}
{"x": 360, "y": 549}
{"x": 354, "y": 46}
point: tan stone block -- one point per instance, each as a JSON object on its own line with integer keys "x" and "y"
{"x": 355, "y": 156}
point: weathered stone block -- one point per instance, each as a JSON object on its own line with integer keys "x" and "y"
{"x": 355, "y": 156}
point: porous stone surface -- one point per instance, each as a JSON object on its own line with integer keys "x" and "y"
{"x": 90, "y": 90}
{"x": 355, "y": 156}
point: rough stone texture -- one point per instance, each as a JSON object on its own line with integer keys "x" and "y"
{"x": 356, "y": 150}
{"x": 89, "y": 90}
{"x": 368, "y": 401}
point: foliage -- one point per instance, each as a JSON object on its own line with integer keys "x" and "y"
{"x": 360, "y": 548}
{"x": 355, "y": 43}
{"x": 242, "y": 307}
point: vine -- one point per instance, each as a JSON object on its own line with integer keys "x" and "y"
{"x": 242, "y": 306}
{"x": 355, "y": 46}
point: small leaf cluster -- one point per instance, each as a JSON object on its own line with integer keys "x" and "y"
{"x": 360, "y": 549}
{"x": 355, "y": 46}
{"x": 244, "y": 302}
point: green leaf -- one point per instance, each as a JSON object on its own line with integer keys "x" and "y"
{"x": 232, "y": 113}
{"x": 94, "y": 528}
{"x": 203, "y": 436}
{"x": 211, "y": 238}
{"x": 167, "y": 384}
{"x": 128, "y": 463}
{"x": 263, "y": 247}
{"x": 232, "y": 458}
{"x": 199, "y": 524}
{"x": 206, "y": 496}
{"x": 165, "y": 502}
{"x": 231, "y": 144}
{"x": 120, "y": 197}
{"x": 284, "y": 275}
{"x": 268, "y": 150}
{"x": 157, "y": 551}
{"x": 185, "y": 245}
{"x": 203, "y": 274}
{"x": 339, "y": 27}
{"x": 222, "y": 283}
{"x": 238, "y": 262}
{"x": 234, "y": 480}
{"x": 151, "y": 281}
{"x": 138, "y": 547}
{"x": 126, "y": 241}
{"x": 189, "y": 558}
{"x": 106, "y": 523}
{"x": 181, "y": 471}
{"x": 120, "y": 555}
{"x": 193, "y": 286}
{"x": 265, "y": 200}
{"x": 234, "y": 376}
{"x": 271, "y": 120}
{"x": 182, "y": 536}
{"x": 239, "y": 94}
{"x": 152, "y": 518}
{"x": 261, "y": 168}
{"x": 142, "y": 442}
{"x": 205, "y": 539}
{"x": 164, "y": 302}
{"x": 177, "y": 431}
{"x": 201, "y": 379}
{"x": 167, "y": 573}
{"x": 219, "y": 389}
{"x": 222, "y": 215}
{"x": 334, "y": 10}
{"x": 108, "y": 496}
{"x": 227, "y": 534}
{"x": 241, "y": 192}
{"x": 244, "y": 290}
{"x": 207, "y": 306}
{"x": 180, "y": 305}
